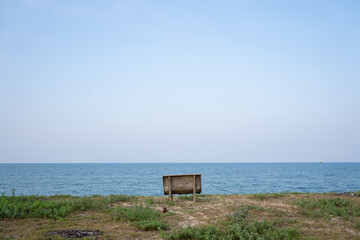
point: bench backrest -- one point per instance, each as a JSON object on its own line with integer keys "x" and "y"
{"x": 182, "y": 184}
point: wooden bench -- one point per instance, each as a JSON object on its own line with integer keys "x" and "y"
{"x": 182, "y": 184}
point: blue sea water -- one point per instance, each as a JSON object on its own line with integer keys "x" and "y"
{"x": 146, "y": 178}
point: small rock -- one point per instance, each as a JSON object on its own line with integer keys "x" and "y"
{"x": 74, "y": 233}
{"x": 346, "y": 194}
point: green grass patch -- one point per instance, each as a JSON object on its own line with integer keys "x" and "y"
{"x": 142, "y": 217}
{"x": 194, "y": 233}
{"x": 172, "y": 203}
{"x": 35, "y": 206}
{"x": 199, "y": 197}
{"x": 58, "y": 206}
{"x": 116, "y": 198}
{"x": 168, "y": 213}
{"x": 262, "y": 196}
{"x": 190, "y": 197}
{"x": 238, "y": 227}
{"x": 150, "y": 201}
{"x": 328, "y": 208}
{"x": 186, "y": 197}
{"x": 357, "y": 225}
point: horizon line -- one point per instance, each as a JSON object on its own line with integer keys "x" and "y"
{"x": 158, "y": 162}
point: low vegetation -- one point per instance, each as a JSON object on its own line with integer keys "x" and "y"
{"x": 262, "y": 196}
{"x": 328, "y": 208}
{"x": 238, "y": 227}
{"x": 142, "y": 217}
{"x": 56, "y": 207}
{"x": 251, "y": 217}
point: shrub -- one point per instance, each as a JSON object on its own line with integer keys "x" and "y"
{"x": 238, "y": 227}
{"x": 147, "y": 225}
{"x": 259, "y": 230}
{"x": 328, "y": 208}
{"x": 142, "y": 217}
{"x": 57, "y": 206}
{"x": 357, "y": 225}
{"x": 196, "y": 233}
{"x": 39, "y": 206}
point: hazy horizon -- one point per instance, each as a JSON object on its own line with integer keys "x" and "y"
{"x": 159, "y": 162}
{"x": 162, "y": 81}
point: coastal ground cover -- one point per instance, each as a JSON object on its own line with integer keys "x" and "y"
{"x": 142, "y": 217}
{"x": 56, "y": 207}
{"x": 329, "y": 208}
{"x": 239, "y": 226}
{"x": 261, "y": 216}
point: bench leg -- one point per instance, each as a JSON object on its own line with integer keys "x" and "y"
{"x": 170, "y": 190}
{"x": 194, "y": 189}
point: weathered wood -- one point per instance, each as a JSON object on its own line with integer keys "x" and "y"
{"x": 182, "y": 184}
{"x": 194, "y": 188}
{"x": 170, "y": 189}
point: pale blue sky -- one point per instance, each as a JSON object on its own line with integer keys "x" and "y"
{"x": 179, "y": 81}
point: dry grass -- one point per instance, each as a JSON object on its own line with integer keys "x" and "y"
{"x": 209, "y": 209}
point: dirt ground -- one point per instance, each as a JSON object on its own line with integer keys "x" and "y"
{"x": 209, "y": 209}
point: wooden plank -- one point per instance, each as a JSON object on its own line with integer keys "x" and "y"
{"x": 182, "y": 175}
{"x": 182, "y": 184}
{"x": 170, "y": 189}
{"x": 194, "y": 190}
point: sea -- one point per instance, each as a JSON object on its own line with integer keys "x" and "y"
{"x": 146, "y": 178}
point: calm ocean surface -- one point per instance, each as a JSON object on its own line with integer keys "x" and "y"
{"x": 146, "y": 178}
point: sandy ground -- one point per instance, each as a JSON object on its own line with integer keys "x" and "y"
{"x": 209, "y": 209}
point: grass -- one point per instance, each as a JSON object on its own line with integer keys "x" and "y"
{"x": 238, "y": 227}
{"x": 187, "y": 197}
{"x": 142, "y": 217}
{"x": 328, "y": 208}
{"x": 199, "y": 197}
{"x": 57, "y": 207}
{"x": 167, "y": 202}
{"x": 275, "y": 216}
{"x": 190, "y": 197}
{"x": 255, "y": 207}
{"x": 262, "y": 196}
{"x": 357, "y": 225}
{"x": 194, "y": 233}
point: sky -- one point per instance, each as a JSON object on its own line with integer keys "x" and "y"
{"x": 179, "y": 81}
